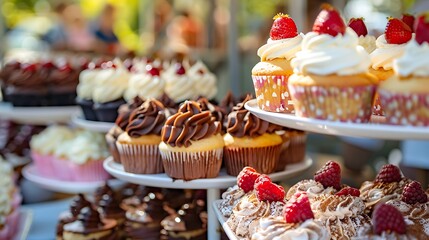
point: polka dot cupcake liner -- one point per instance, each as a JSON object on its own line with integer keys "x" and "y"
{"x": 343, "y": 104}
{"x": 272, "y": 93}
{"x": 405, "y": 108}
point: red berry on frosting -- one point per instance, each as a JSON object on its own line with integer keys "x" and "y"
{"x": 414, "y": 193}
{"x": 358, "y": 26}
{"x": 329, "y": 175}
{"x": 409, "y": 20}
{"x": 298, "y": 208}
{"x": 387, "y": 218}
{"x": 389, "y": 173}
{"x": 152, "y": 70}
{"x": 422, "y": 29}
{"x": 48, "y": 65}
{"x": 283, "y": 27}
{"x": 329, "y": 22}
{"x": 32, "y": 67}
{"x": 397, "y": 32}
{"x": 180, "y": 70}
{"x": 267, "y": 190}
{"x": 349, "y": 191}
{"x": 65, "y": 68}
{"x": 246, "y": 179}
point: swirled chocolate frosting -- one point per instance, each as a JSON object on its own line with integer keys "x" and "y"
{"x": 124, "y": 115}
{"x": 99, "y": 192}
{"x": 189, "y": 124}
{"x": 168, "y": 102}
{"x": 77, "y": 204}
{"x": 109, "y": 205}
{"x": 216, "y": 111}
{"x": 147, "y": 119}
{"x": 90, "y": 218}
{"x": 243, "y": 123}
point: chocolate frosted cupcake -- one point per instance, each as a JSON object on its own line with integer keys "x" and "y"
{"x": 89, "y": 226}
{"x": 186, "y": 224}
{"x": 136, "y": 199}
{"x": 215, "y": 110}
{"x": 250, "y": 141}
{"x": 144, "y": 221}
{"x": 138, "y": 145}
{"x": 191, "y": 146}
{"x": 63, "y": 82}
{"x": 76, "y": 205}
{"x": 293, "y": 147}
{"x": 109, "y": 208}
{"x": 99, "y": 192}
{"x": 168, "y": 103}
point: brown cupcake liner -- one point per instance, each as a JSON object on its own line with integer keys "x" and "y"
{"x": 111, "y": 143}
{"x": 192, "y": 165}
{"x": 140, "y": 159}
{"x": 296, "y": 150}
{"x": 262, "y": 159}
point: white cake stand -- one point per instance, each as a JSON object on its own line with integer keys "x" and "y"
{"x": 95, "y": 126}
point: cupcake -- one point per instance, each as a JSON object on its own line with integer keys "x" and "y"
{"x": 364, "y": 40}
{"x": 138, "y": 145}
{"x": 388, "y": 185}
{"x": 84, "y": 90}
{"x": 179, "y": 86}
{"x": 63, "y": 81}
{"x": 136, "y": 199}
{"x": 293, "y": 147}
{"x": 250, "y": 141}
{"x": 404, "y": 95}
{"x": 270, "y": 76}
{"x": 146, "y": 83}
{"x": 108, "y": 207}
{"x": 191, "y": 146}
{"x": 90, "y": 226}
{"x": 331, "y": 79}
{"x": 77, "y": 203}
{"x": 204, "y": 82}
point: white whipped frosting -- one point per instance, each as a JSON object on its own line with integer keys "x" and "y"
{"x": 331, "y": 207}
{"x": 111, "y": 84}
{"x": 311, "y": 187}
{"x": 385, "y": 53}
{"x": 87, "y": 146}
{"x": 367, "y": 42}
{"x": 87, "y": 83}
{"x": 323, "y": 54}
{"x": 50, "y": 139}
{"x": 145, "y": 86}
{"x": 205, "y": 82}
{"x": 178, "y": 87}
{"x": 282, "y": 48}
{"x": 275, "y": 228}
{"x": 414, "y": 61}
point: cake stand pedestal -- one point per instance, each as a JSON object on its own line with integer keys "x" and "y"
{"x": 213, "y": 185}
{"x": 96, "y": 126}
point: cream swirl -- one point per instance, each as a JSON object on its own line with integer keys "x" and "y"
{"x": 414, "y": 61}
{"x": 6, "y": 190}
{"x": 275, "y": 228}
{"x": 416, "y": 216}
{"x": 282, "y": 48}
{"x": 145, "y": 86}
{"x": 366, "y": 233}
{"x": 323, "y": 54}
{"x": 86, "y": 146}
{"x": 367, "y": 42}
{"x": 50, "y": 139}
{"x": 230, "y": 198}
{"x": 87, "y": 83}
{"x": 111, "y": 84}
{"x": 205, "y": 82}
{"x": 383, "y": 56}
{"x": 179, "y": 87}
{"x": 311, "y": 187}
{"x": 331, "y": 207}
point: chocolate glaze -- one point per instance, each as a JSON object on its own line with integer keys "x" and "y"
{"x": 147, "y": 119}
{"x": 77, "y": 204}
{"x": 89, "y": 218}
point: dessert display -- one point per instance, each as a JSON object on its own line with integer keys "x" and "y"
{"x": 402, "y": 95}
{"x": 248, "y": 140}
{"x": 270, "y": 76}
{"x": 331, "y": 79}
{"x": 61, "y": 153}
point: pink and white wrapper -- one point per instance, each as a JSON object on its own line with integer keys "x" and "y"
{"x": 140, "y": 159}
{"x": 43, "y": 164}
{"x": 272, "y": 93}
{"x": 405, "y": 108}
{"x": 343, "y": 104}
{"x": 90, "y": 171}
{"x": 11, "y": 225}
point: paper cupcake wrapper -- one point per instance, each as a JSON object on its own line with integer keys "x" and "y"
{"x": 192, "y": 165}
{"x": 262, "y": 159}
{"x": 43, "y": 164}
{"x": 88, "y": 172}
{"x": 377, "y": 107}
{"x": 405, "y": 108}
{"x": 344, "y": 104}
{"x": 111, "y": 143}
{"x": 10, "y": 227}
{"x": 59, "y": 166}
{"x": 272, "y": 93}
{"x": 293, "y": 153}
{"x": 140, "y": 159}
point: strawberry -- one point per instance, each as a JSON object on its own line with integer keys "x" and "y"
{"x": 387, "y": 218}
{"x": 283, "y": 27}
{"x": 329, "y": 22}
{"x": 397, "y": 32}
{"x": 329, "y": 175}
{"x": 267, "y": 190}
{"x": 409, "y": 20}
{"x": 358, "y": 26}
{"x": 152, "y": 70}
{"x": 246, "y": 179}
{"x": 180, "y": 70}
{"x": 298, "y": 208}
{"x": 422, "y": 29}
{"x": 349, "y": 191}
{"x": 389, "y": 173}
{"x": 414, "y": 193}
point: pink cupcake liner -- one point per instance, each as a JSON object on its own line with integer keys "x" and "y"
{"x": 16, "y": 199}
{"x": 405, "y": 108}
{"x": 60, "y": 169}
{"x": 344, "y": 104}
{"x": 88, "y": 172}
{"x": 11, "y": 226}
{"x": 43, "y": 164}
{"x": 272, "y": 93}
{"x": 140, "y": 159}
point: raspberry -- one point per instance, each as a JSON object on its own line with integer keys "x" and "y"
{"x": 414, "y": 193}
{"x": 397, "y": 32}
{"x": 298, "y": 208}
{"x": 349, "y": 191}
{"x": 389, "y": 173}
{"x": 387, "y": 218}
{"x": 246, "y": 179}
{"x": 267, "y": 190}
{"x": 329, "y": 22}
{"x": 329, "y": 175}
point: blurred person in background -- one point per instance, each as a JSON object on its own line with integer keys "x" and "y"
{"x": 106, "y": 40}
